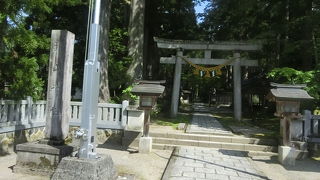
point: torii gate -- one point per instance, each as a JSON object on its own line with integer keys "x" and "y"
{"x": 207, "y": 47}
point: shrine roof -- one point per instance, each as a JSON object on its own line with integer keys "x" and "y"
{"x": 148, "y": 89}
{"x": 288, "y": 92}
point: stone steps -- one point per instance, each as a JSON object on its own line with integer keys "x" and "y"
{"x": 218, "y": 145}
{"x": 215, "y": 138}
{"x": 250, "y": 153}
{"x": 171, "y": 140}
{"x": 216, "y": 133}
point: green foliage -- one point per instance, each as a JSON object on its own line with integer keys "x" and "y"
{"x": 21, "y": 61}
{"x": 161, "y": 119}
{"x": 25, "y": 28}
{"x": 127, "y": 94}
{"x": 285, "y": 28}
{"x": 119, "y": 61}
{"x": 290, "y": 76}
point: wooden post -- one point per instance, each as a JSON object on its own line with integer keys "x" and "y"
{"x": 146, "y": 124}
{"x": 176, "y": 85}
{"x": 237, "y": 87}
{"x": 59, "y": 86}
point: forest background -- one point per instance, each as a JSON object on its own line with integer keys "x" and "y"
{"x": 289, "y": 31}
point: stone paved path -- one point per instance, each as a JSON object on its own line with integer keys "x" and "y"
{"x": 205, "y": 123}
{"x": 201, "y": 107}
{"x": 195, "y": 163}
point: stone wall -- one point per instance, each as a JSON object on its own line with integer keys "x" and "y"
{"x": 10, "y": 139}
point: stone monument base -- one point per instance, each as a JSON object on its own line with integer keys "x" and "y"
{"x": 73, "y": 168}
{"x": 287, "y": 155}
{"x": 40, "y": 159}
{"x": 145, "y": 145}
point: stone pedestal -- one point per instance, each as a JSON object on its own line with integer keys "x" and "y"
{"x": 40, "y": 159}
{"x": 145, "y": 145}
{"x": 73, "y": 168}
{"x": 287, "y": 155}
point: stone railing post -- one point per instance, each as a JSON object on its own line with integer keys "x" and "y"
{"x": 124, "y": 115}
{"x": 29, "y": 109}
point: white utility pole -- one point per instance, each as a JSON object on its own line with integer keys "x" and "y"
{"x": 90, "y": 94}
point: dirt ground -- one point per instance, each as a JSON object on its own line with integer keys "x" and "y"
{"x": 307, "y": 169}
{"x": 6, "y": 164}
{"x": 143, "y": 166}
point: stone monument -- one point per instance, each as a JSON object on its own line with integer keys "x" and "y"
{"x": 43, "y": 157}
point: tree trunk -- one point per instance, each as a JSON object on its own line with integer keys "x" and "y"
{"x": 315, "y": 48}
{"x": 307, "y": 59}
{"x": 3, "y": 29}
{"x": 136, "y": 39}
{"x": 104, "y": 93}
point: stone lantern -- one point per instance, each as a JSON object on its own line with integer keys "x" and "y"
{"x": 148, "y": 92}
{"x": 288, "y": 99}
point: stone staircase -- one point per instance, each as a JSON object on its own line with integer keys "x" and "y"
{"x": 172, "y": 140}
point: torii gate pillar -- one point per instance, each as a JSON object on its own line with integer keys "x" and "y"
{"x": 237, "y": 87}
{"x": 176, "y": 85}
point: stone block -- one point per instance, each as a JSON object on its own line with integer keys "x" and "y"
{"x": 228, "y": 172}
{"x": 296, "y": 130}
{"x": 194, "y": 164}
{"x": 221, "y": 139}
{"x": 211, "y": 145}
{"x": 240, "y": 147}
{"x": 194, "y": 174}
{"x": 204, "y": 170}
{"x": 145, "y": 145}
{"x": 287, "y": 155}
{"x": 40, "y": 159}
{"x": 135, "y": 119}
{"x": 73, "y": 168}
{"x": 216, "y": 176}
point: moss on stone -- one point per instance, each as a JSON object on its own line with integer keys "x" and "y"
{"x": 45, "y": 162}
{"x": 6, "y": 141}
